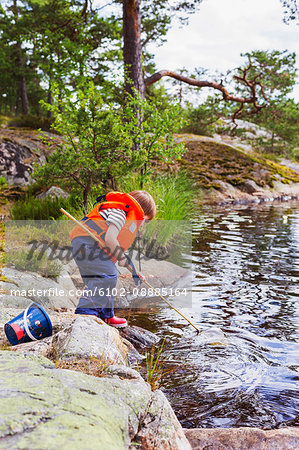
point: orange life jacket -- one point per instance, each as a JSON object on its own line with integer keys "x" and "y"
{"x": 96, "y": 223}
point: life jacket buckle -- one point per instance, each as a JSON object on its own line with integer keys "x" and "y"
{"x": 100, "y": 199}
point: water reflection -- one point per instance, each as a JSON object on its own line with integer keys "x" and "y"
{"x": 246, "y": 272}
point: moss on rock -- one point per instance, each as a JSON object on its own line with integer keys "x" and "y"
{"x": 209, "y": 161}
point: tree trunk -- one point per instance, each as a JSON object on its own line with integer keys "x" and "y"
{"x": 24, "y": 97}
{"x": 86, "y": 193}
{"x": 22, "y": 89}
{"x": 132, "y": 50}
{"x": 85, "y": 198}
{"x": 18, "y": 101}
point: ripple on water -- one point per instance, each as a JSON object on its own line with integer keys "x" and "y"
{"x": 245, "y": 283}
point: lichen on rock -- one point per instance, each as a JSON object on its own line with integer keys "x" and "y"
{"x": 44, "y": 408}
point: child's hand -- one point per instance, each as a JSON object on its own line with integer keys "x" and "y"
{"x": 123, "y": 262}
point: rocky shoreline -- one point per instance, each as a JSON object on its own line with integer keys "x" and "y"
{"x": 252, "y": 194}
{"x": 78, "y": 388}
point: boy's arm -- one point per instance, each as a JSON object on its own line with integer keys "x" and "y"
{"x": 113, "y": 246}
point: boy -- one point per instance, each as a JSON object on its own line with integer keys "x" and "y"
{"x": 114, "y": 220}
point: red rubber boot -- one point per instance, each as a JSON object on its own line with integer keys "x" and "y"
{"x": 116, "y": 322}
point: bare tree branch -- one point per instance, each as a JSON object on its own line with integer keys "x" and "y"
{"x": 198, "y": 83}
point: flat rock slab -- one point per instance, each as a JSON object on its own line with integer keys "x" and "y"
{"x": 243, "y": 438}
{"x": 42, "y": 407}
{"x": 21, "y": 288}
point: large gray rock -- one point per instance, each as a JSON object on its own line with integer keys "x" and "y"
{"x": 19, "y": 149}
{"x": 42, "y": 407}
{"x": 243, "y": 438}
{"x": 89, "y": 336}
{"x": 15, "y": 163}
{"x": 53, "y": 191}
{"x": 22, "y": 287}
{"x": 65, "y": 345}
{"x": 251, "y": 130}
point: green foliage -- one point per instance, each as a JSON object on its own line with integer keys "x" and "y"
{"x": 154, "y": 366}
{"x": 43, "y": 42}
{"x": 3, "y": 182}
{"x": 97, "y": 147}
{"x": 291, "y": 10}
{"x": 281, "y": 118}
{"x": 273, "y": 73}
{"x": 155, "y": 137}
{"x": 267, "y": 76}
{"x": 201, "y": 120}
{"x": 22, "y": 260}
{"x": 99, "y": 137}
{"x": 36, "y": 209}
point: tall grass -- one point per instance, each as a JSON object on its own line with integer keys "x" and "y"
{"x": 155, "y": 366}
{"x": 3, "y": 182}
{"x": 32, "y": 208}
{"x": 19, "y": 259}
{"x": 174, "y": 194}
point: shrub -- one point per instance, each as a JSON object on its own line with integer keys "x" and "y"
{"x": 3, "y": 182}
{"x": 37, "y": 209}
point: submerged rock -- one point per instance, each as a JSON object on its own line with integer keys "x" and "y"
{"x": 139, "y": 337}
{"x": 42, "y": 407}
{"x": 243, "y": 438}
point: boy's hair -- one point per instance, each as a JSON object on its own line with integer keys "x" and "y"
{"x": 146, "y": 202}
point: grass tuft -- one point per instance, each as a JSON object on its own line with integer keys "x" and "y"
{"x": 20, "y": 260}
{"x": 155, "y": 366}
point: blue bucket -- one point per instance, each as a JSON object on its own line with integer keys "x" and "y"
{"x": 31, "y": 325}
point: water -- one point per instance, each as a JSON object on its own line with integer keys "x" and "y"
{"x": 246, "y": 273}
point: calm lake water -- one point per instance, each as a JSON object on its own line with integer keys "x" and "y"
{"x": 246, "y": 273}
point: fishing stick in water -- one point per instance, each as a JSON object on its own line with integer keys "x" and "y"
{"x": 129, "y": 268}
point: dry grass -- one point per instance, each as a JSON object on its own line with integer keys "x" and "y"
{"x": 93, "y": 366}
{"x": 4, "y": 344}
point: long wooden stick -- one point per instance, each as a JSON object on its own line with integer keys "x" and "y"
{"x": 129, "y": 268}
{"x": 171, "y": 306}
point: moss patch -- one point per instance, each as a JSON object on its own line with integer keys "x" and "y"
{"x": 209, "y": 162}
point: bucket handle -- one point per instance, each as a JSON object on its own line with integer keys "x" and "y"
{"x": 26, "y": 325}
